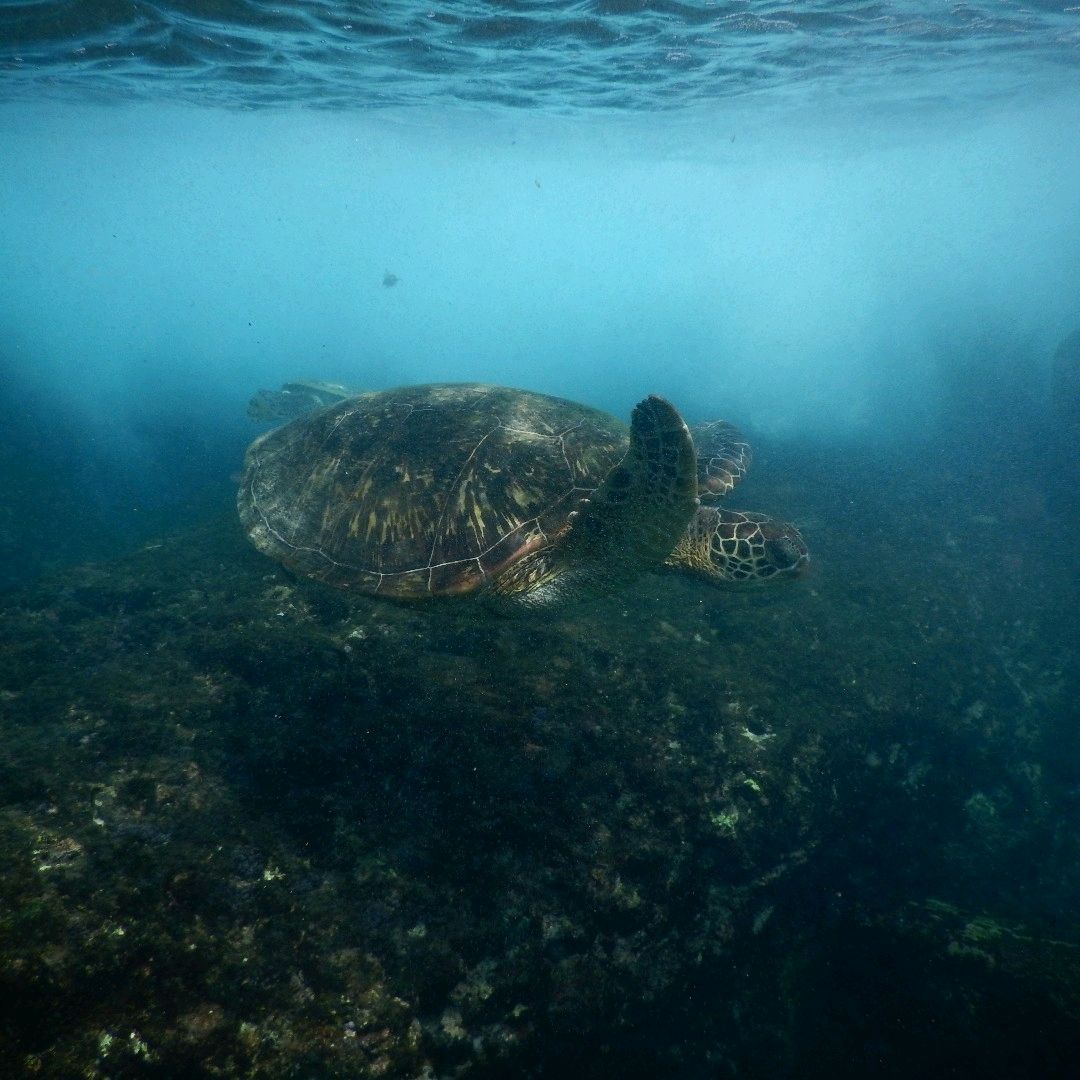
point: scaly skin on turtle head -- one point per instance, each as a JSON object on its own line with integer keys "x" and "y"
{"x": 735, "y": 547}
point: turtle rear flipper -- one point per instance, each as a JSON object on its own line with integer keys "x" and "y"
{"x": 733, "y": 546}
{"x": 628, "y": 525}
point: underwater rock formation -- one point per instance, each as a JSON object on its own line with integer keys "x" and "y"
{"x": 253, "y": 827}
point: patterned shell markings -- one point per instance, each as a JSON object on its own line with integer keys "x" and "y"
{"x": 424, "y": 490}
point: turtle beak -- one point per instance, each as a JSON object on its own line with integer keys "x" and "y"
{"x": 786, "y": 549}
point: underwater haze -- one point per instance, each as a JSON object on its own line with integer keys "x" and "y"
{"x": 263, "y": 827}
{"x": 817, "y": 223}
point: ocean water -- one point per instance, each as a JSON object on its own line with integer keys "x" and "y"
{"x": 256, "y": 825}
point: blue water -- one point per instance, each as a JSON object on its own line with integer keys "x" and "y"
{"x": 801, "y": 218}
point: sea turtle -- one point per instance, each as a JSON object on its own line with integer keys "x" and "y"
{"x": 511, "y": 496}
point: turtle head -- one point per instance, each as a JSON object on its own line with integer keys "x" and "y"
{"x": 785, "y": 550}
{"x": 730, "y": 546}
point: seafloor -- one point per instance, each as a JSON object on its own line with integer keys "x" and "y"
{"x": 252, "y": 827}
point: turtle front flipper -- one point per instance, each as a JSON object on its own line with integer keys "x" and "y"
{"x": 628, "y": 525}
{"x": 296, "y": 399}
{"x": 723, "y": 456}
{"x": 731, "y": 546}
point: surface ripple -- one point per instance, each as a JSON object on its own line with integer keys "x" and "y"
{"x": 542, "y": 54}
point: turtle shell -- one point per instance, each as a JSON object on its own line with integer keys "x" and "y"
{"x": 424, "y": 490}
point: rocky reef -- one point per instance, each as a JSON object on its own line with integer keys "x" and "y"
{"x": 253, "y": 827}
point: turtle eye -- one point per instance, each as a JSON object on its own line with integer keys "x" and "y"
{"x": 786, "y": 551}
